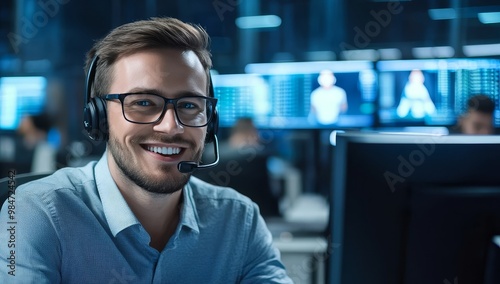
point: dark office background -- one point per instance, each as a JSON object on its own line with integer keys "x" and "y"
{"x": 50, "y": 38}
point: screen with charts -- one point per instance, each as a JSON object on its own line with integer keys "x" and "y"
{"x": 315, "y": 95}
{"x": 20, "y": 96}
{"x": 241, "y": 95}
{"x": 433, "y": 92}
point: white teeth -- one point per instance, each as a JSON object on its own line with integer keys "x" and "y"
{"x": 165, "y": 150}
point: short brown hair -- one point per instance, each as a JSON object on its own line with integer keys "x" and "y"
{"x": 481, "y": 103}
{"x": 146, "y": 34}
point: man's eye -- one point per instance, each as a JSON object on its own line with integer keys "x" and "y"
{"x": 144, "y": 103}
{"x": 187, "y": 105}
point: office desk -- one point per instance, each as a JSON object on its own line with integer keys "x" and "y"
{"x": 304, "y": 258}
{"x": 299, "y": 236}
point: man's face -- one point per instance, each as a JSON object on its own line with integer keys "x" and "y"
{"x": 475, "y": 122}
{"x": 26, "y": 126}
{"x": 172, "y": 74}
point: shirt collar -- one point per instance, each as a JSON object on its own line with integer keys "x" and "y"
{"x": 189, "y": 216}
{"x": 117, "y": 212}
{"x": 119, "y": 215}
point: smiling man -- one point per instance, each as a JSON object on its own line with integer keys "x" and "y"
{"x": 137, "y": 215}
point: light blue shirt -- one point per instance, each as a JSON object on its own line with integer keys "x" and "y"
{"x": 75, "y": 227}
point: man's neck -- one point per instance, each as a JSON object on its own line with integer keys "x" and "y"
{"x": 158, "y": 213}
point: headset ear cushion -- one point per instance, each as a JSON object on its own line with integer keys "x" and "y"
{"x": 95, "y": 120}
{"x": 212, "y": 128}
{"x": 102, "y": 126}
{"x": 89, "y": 114}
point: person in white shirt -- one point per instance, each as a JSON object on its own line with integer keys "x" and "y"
{"x": 328, "y": 100}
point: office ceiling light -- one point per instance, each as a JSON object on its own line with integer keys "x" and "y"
{"x": 258, "y": 22}
{"x": 360, "y": 54}
{"x": 390, "y": 53}
{"x": 433, "y": 52}
{"x": 489, "y": 17}
{"x": 481, "y": 50}
{"x": 442, "y": 14}
{"x": 323, "y": 55}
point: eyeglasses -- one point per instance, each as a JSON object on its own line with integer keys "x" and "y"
{"x": 192, "y": 111}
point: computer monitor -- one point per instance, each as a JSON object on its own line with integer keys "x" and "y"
{"x": 318, "y": 95}
{"x": 19, "y": 96}
{"x": 433, "y": 92}
{"x": 241, "y": 95}
{"x": 413, "y": 209}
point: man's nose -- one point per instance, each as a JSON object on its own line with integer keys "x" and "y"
{"x": 169, "y": 122}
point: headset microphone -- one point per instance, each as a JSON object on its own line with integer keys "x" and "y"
{"x": 190, "y": 166}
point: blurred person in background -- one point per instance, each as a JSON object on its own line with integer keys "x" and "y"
{"x": 34, "y": 131}
{"x": 478, "y": 118}
{"x": 244, "y": 134}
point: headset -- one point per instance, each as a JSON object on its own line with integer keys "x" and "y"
{"x": 95, "y": 120}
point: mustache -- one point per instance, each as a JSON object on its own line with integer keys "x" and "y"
{"x": 157, "y": 137}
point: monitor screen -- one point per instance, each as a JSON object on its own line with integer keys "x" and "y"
{"x": 20, "y": 96}
{"x": 408, "y": 208}
{"x": 315, "y": 95}
{"x": 241, "y": 95}
{"x": 433, "y": 92}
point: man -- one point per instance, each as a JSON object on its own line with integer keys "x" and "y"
{"x": 34, "y": 130}
{"x": 133, "y": 217}
{"x": 478, "y": 119}
{"x": 244, "y": 134}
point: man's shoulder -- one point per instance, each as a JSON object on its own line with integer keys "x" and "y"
{"x": 63, "y": 180}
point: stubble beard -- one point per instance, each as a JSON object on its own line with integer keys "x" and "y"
{"x": 172, "y": 180}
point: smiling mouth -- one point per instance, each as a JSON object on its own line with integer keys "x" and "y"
{"x": 164, "y": 151}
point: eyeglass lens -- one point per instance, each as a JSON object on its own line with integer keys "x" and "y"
{"x": 144, "y": 108}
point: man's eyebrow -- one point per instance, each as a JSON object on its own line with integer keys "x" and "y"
{"x": 161, "y": 93}
{"x": 145, "y": 91}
